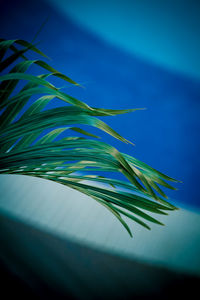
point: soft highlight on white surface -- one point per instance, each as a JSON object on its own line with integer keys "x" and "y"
{"x": 68, "y": 213}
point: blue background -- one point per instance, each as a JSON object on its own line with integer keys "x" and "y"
{"x": 166, "y": 134}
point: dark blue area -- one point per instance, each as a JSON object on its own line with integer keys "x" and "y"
{"x": 166, "y": 134}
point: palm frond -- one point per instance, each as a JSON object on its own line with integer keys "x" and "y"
{"x": 27, "y": 149}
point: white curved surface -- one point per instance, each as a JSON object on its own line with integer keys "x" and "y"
{"x": 66, "y": 212}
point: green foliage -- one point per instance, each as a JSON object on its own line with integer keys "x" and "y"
{"x": 71, "y": 161}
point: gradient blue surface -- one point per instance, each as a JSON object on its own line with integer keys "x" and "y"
{"x": 166, "y": 134}
{"x": 164, "y": 32}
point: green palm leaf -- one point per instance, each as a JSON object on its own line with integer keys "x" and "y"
{"x": 72, "y": 161}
